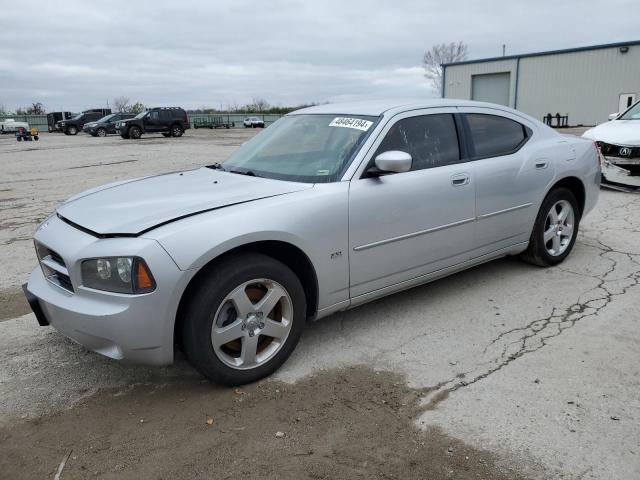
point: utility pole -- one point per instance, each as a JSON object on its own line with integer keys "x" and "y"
{"x": 504, "y": 49}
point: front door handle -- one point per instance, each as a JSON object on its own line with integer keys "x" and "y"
{"x": 460, "y": 179}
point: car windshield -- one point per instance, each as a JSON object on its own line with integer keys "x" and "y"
{"x": 632, "y": 114}
{"x": 303, "y": 148}
{"x": 106, "y": 119}
{"x": 141, "y": 114}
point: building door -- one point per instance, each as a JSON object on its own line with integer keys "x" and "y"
{"x": 626, "y": 100}
{"x": 491, "y": 87}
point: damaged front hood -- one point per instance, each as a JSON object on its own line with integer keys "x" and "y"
{"x": 133, "y": 207}
{"x": 616, "y": 132}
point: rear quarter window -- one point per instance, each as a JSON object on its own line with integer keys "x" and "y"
{"x": 493, "y": 135}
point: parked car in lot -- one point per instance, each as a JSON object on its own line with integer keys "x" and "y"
{"x": 75, "y": 124}
{"x": 11, "y": 126}
{"x": 253, "y": 122}
{"x": 106, "y": 125}
{"x": 619, "y": 142}
{"x": 331, "y": 207}
{"x": 54, "y": 117}
{"x": 170, "y": 121}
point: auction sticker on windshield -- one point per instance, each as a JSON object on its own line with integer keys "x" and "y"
{"x": 347, "y": 122}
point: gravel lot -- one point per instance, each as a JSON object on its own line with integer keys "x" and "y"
{"x": 503, "y": 371}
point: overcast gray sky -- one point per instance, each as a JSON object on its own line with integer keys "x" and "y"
{"x": 79, "y": 54}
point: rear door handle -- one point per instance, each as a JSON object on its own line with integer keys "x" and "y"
{"x": 460, "y": 179}
{"x": 541, "y": 164}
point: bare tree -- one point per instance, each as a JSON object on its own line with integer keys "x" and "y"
{"x": 260, "y": 104}
{"x": 121, "y": 104}
{"x": 439, "y": 54}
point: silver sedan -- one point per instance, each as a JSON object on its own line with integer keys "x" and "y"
{"x": 328, "y": 208}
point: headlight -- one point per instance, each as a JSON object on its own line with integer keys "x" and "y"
{"x": 62, "y": 124}
{"x": 118, "y": 274}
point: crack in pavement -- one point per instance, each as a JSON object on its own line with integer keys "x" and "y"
{"x": 517, "y": 342}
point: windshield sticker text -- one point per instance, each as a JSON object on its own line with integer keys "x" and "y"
{"x": 347, "y": 122}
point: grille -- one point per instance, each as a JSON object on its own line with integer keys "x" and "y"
{"x": 53, "y": 267}
{"x": 620, "y": 151}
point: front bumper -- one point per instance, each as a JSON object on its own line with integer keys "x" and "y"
{"x": 132, "y": 328}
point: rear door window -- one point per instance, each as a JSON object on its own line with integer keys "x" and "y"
{"x": 494, "y": 136}
{"x": 431, "y": 140}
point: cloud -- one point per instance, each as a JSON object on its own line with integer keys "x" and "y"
{"x": 76, "y": 55}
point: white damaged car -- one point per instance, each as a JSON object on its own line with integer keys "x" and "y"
{"x": 619, "y": 142}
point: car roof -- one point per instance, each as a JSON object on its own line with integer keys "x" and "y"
{"x": 379, "y": 107}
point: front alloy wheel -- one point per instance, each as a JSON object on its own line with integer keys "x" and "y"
{"x": 252, "y": 324}
{"x": 243, "y": 318}
{"x": 101, "y": 132}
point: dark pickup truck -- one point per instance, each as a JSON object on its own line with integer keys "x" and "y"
{"x": 75, "y": 124}
{"x": 54, "y": 117}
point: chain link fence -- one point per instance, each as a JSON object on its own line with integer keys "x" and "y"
{"x": 236, "y": 119}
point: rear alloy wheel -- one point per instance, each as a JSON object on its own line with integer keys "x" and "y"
{"x": 244, "y": 319}
{"x": 101, "y": 132}
{"x": 135, "y": 133}
{"x": 72, "y": 130}
{"x": 176, "y": 131}
{"x": 555, "y": 230}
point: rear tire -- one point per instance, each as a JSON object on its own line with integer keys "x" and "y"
{"x": 211, "y": 311}
{"x": 176, "y": 131}
{"x": 555, "y": 229}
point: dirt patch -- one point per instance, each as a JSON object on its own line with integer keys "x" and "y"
{"x": 13, "y": 304}
{"x": 351, "y": 423}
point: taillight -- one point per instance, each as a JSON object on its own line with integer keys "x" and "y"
{"x": 598, "y": 153}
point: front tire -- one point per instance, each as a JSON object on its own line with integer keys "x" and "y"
{"x": 101, "y": 132}
{"x": 243, "y": 319}
{"x": 555, "y": 229}
{"x": 72, "y": 130}
{"x": 176, "y": 131}
{"x": 135, "y": 133}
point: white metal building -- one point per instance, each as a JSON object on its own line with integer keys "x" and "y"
{"x": 586, "y": 83}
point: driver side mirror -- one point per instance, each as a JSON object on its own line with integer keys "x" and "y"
{"x": 613, "y": 116}
{"x": 392, "y": 161}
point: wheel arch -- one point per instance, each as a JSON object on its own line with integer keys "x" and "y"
{"x": 576, "y": 186}
{"x": 285, "y": 252}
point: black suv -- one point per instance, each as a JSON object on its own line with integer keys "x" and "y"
{"x": 106, "y": 124}
{"x": 75, "y": 124}
{"x": 170, "y": 121}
